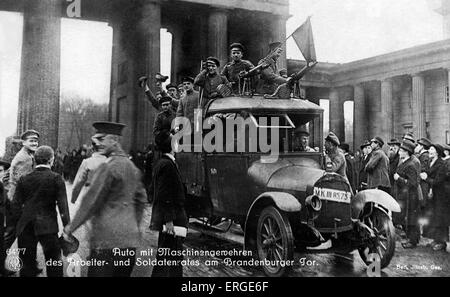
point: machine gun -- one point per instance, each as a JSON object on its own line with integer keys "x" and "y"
{"x": 284, "y": 90}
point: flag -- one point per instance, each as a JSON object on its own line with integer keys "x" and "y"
{"x": 303, "y": 36}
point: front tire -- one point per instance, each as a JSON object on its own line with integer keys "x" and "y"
{"x": 384, "y": 243}
{"x": 275, "y": 241}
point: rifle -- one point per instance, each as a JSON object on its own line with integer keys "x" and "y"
{"x": 265, "y": 62}
{"x": 284, "y": 90}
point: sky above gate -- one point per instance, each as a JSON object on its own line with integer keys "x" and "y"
{"x": 344, "y": 31}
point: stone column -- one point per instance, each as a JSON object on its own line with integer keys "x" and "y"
{"x": 359, "y": 116}
{"x": 418, "y": 99}
{"x": 218, "y": 35}
{"x": 279, "y": 34}
{"x": 337, "y": 125}
{"x": 177, "y": 43}
{"x": 387, "y": 114}
{"x": 40, "y": 70}
{"x": 147, "y": 61}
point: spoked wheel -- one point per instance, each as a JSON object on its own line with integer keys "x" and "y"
{"x": 275, "y": 241}
{"x": 384, "y": 242}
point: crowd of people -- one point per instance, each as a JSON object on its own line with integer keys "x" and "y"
{"x": 415, "y": 172}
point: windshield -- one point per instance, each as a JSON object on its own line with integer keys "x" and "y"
{"x": 267, "y": 133}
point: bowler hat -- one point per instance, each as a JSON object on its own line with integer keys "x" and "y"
{"x": 213, "y": 60}
{"x": 171, "y": 85}
{"x": 365, "y": 144}
{"x": 29, "y": 133}
{"x": 108, "y": 128}
{"x": 333, "y": 138}
{"x": 238, "y": 46}
{"x": 4, "y": 164}
{"x": 425, "y": 142}
{"x": 69, "y": 247}
{"x": 409, "y": 136}
{"x": 378, "y": 140}
{"x": 408, "y": 146}
{"x": 188, "y": 79}
{"x": 394, "y": 141}
{"x": 439, "y": 149}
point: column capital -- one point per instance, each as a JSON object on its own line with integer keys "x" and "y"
{"x": 417, "y": 74}
{"x": 387, "y": 79}
{"x": 219, "y": 9}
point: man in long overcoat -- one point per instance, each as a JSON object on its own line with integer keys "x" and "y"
{"x": 114, "y": 205}
{"x": 406, "y": 193}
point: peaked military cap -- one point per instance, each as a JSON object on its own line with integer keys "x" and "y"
{"x": 333, "y": 138}
{"x": 378, "y": 140}
{"x": 213, "y": 60}
{"x": 425, "y": 142}
{"x": 188, "y": 79}
{"x": 301, "y": 131}
{"x": 165, "y": 98}
{"x": 108, "y": 128}
{"x": 171, "y": 85}
{"x": 408, "y": 146}
{"x": 29, "y": 133}
{"x": 238, "y": 46}
{"x": 394, "y": 141}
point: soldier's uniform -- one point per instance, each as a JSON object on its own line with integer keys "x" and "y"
{"x": 271, "y": 78}
{"x": 163, "y": 121}
{"x": 209, "y": 82}
{"x": 232, "y": 69}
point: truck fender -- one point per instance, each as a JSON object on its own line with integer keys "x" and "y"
{"x": 373, "y": 196}
{"x": 284, "y": 201}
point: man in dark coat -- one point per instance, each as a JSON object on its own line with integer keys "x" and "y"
{"x": 378, "y": 167}
{"x": 421, "y": 152}
{"x": 163, "y": 121}
{"x": 350, "y": 165}
{"x": 36, "y": 197}
{"x": 394, "y": 158}
{"x": 168, "y": 213}
{"x": 362, "y": 176}
{"x": 439, "y": 207}
{"x": 114, "y": 206}
{"x": 406, "y": 193}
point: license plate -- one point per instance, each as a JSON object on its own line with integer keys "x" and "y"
{"x": 333, "y": 195}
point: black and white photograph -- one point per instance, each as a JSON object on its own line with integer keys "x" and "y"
{"x": 224, "y": 139}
